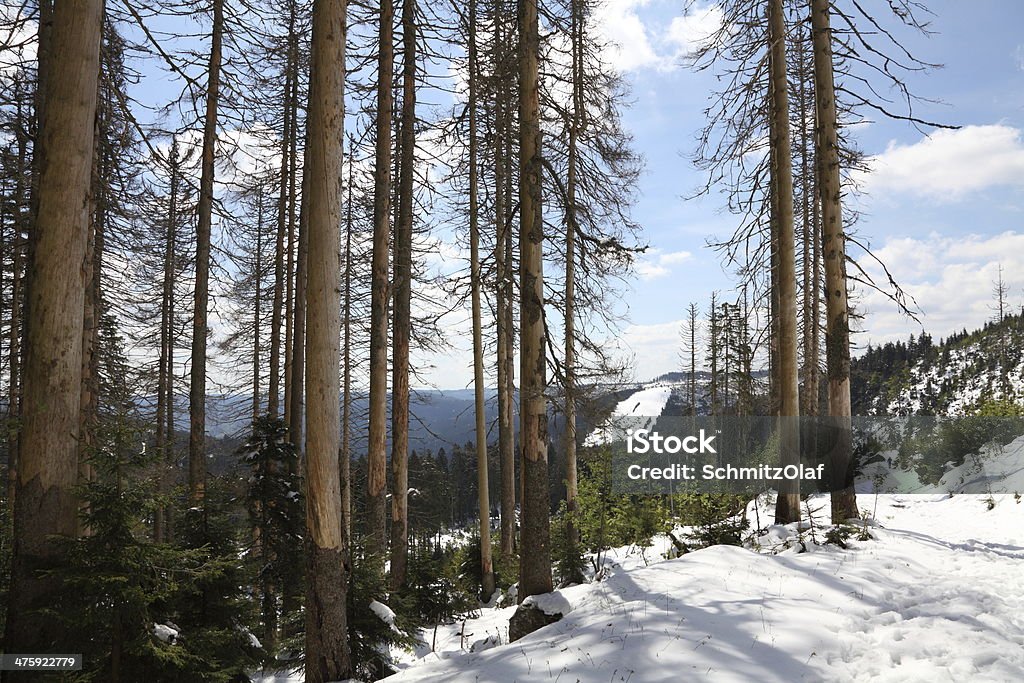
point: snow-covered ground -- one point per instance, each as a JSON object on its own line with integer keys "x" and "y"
{"x": 647, "y": 402}
{"x": 997, "y": 469}
{"x": 937, "y": 595}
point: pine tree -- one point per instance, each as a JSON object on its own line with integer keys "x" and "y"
{"x": 46, "y": 507}
{"x": 327, "y": 651}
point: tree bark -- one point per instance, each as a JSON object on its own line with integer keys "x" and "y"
{"x": 403, "y": 305}
{"x": 571, "y": 484}
{"x": 376, "y": 513}
{"x": 483, "y": 490}
{"x": 296, "y": 390}
{"x": 257, "y": 305}
{"x": 15, "y": 330}
{"x": 837, "y": 330}
{"x": 200, "y": 329}
{"x": 504, "y": 295}
{"x": 274, "y": 388}
{"x": 346, "y": 360}
{"x": 535, "y": 554}
{"x": 327, "y": 652}
{"x": 46, "y": 504}
{"x": 163, "y": 529}
{"x": 788, "y": 502}
{"x": 809, "y": 397}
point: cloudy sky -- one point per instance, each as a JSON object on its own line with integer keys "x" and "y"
{"x": 944, "y": 209}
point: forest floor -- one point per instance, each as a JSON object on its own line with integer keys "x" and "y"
{"x": 937, "y": 594}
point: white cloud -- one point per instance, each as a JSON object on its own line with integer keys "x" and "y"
{"x": 618, "y": 23}
{"x": 639, "y": 40}
{"x": 655, "y": 347}
{"x": 948, "y": 165}
{"x": 656, "y": 264}
{"x": 687, "y": 32}
{"x": 950, "y": 277}
{"x": 675, "y": 258}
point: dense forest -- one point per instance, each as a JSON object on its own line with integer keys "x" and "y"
{"x": 271, "y": 214}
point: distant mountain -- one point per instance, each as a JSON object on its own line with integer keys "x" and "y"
{"x": 439, "y": 418}
{"x": 951, "y": 377}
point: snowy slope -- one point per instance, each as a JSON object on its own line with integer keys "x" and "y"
{"x": 937, "y": 596}
{"x": 647, "y": 402}
{"x": 1000, "y": 469}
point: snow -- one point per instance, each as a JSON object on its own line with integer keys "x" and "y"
{"x": 551, "y": 604}
{"x": 384, "y": 613}
{"x": 647, "y": 402}
{"x": 998, "y": 470}
{"x": 936, "y": 595}
{"x": 165, "y": 632}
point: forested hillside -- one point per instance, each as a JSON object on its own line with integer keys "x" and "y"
{"x": 951, "y": 376}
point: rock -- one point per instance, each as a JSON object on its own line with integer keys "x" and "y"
{"x": 527, "y": 619}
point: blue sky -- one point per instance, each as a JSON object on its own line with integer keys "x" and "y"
{"x": 943, "y": 211}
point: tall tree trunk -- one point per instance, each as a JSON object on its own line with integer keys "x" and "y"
{"x": 571, "y": 484}
{"x": 376, "y": 513}
{"x": 289, "y": 317}
{"x": 46, "y": 506}
{"x": 503, "y": 260}
{"x": 788, "y": 502}
{"x": 274, "y": 387}
{"x": 15, "y": 329}
{"x": 95, "y": 245}
{"x": 483, "y": 489}
{"x": 535, "y": 554}
{"x": 200, "y": 329}
{"x": 296, "y": 392}
{"x": 165, "y": 370}
{"x": 837, "y": 330}
{"x": 346, "y": 360}
{"x": 809, "y": 397}
{"x": 403, "y": 305}
{"x": 327, "y": 652}
{"x": 257, "y": 306}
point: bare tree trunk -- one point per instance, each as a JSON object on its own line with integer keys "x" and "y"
{"x": 483, "y": 490}
{"x": 298, "y": 361}
{"x": 571, "y": 484}
{"x": 274, "y": 388}
{"x": 692, "y": 318}
{"x": 535, "y": 554}
{"x": 503, "y": 259}
{"x": 809, "y": 397}
{"x": 257, "y": 304}
{"x": 403, "y": 305}
{"x": 289, "y": 317}
{"x": 46, "y": 505}
{"x": 15, "y": 331}
{"x": 837, "y": 330}
{"x": 376, "y": 513}
{"x": 346, "y": 405}
{"x": 327, "y": 652}
{"x": 93, "y": 268}
{"x": 197, "y": 389}
{"x": 165, "y": 370}
{"x": 788, "y": 502}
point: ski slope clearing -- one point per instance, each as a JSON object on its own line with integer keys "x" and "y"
{"x": 648, "y": 402}
{"x": 937, "y": 595}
